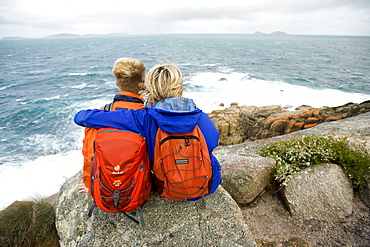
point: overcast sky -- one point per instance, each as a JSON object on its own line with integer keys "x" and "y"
{"x": 39, "y": 18}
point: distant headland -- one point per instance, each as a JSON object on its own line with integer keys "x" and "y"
{"x": 70, "y": 35}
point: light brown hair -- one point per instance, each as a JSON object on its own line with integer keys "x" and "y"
{"x": 130, "y": 74}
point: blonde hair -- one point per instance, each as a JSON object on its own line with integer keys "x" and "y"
{"x": 163, "y": 81}
{"x": 130, "y": 74}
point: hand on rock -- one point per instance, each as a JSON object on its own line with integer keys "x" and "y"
{"x": 82, "y": 188}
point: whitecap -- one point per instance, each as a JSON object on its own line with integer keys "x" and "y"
{"x": 36, "y": 72}
{"x": 52, "y": 98}
{"x": 6, "y": 87}
{"x": 79, "y": 74}
{"x": 81, "y": 86}
{"x": 21, "y": 101}
{"x": 225, "y": 69}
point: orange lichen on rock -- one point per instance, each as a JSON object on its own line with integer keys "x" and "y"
{"x": 333, "y": 118}
{"x": 298, "y": 126}
{"x": 311, "y": 120}
{"x": 307, "y": 126}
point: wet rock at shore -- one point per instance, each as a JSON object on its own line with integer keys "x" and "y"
{"x": 238, "y": 124}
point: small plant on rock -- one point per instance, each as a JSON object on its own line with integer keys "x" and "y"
{"x": 296, "y": 154}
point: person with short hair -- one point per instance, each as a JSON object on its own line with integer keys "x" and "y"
{"x": 130, "y": 76}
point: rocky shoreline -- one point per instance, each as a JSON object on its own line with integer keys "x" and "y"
{"x": 238, "y": 124}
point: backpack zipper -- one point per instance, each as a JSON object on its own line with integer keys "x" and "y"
{"x": 187, "y": 138}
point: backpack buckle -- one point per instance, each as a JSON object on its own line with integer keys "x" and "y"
{"x": 116, "y": 197}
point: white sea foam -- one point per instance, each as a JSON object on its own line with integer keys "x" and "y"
{"x": 80, "y": 86}
{"x": 40, "y": 177}
{"x": 54, "y": 97}
{"x": 6, "y": 87}
{"x": 23, "y": 179}
{"x": 208, "y": 92}
{"x": 79, "y": 74}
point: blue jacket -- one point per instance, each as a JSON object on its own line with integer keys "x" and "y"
{"x": 173, "y": 115}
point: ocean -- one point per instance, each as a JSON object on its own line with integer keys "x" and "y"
{"x": 44, "y": 82}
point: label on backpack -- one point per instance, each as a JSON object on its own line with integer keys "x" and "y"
{"x": 182, "y": 166}
{"x": 117, "y": 170}
{"x": 117, "y": 182}
{"x": 181, "y": 161}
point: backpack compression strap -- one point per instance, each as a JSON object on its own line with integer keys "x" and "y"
{"x": 116, "y": 198}
{"x": 140, "y": 210}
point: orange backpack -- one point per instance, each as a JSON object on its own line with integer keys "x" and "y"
{"x": 120, "y": 172}
{"x": 116, "y": 165}
{"x": 88, "y": 142}
{"x": 182, "y": 165}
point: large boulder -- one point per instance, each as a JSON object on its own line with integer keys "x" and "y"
{"x": 321, "y": 192}
{"x": 215, "y": 220}
{"x": 244, "y": 174}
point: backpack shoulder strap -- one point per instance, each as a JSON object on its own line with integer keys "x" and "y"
{"x": 108, "y": 107}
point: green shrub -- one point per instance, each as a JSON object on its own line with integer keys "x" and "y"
{"x": 296, "y": 154}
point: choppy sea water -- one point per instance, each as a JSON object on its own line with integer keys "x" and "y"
{"x": 44, "y": 82}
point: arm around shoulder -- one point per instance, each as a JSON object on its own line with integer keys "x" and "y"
{"x": 209, "y": 131}
{"x": 83, "y": 117}
{"x": 128, "y": 120}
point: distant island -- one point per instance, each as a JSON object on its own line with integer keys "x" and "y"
{"x": 13, "y": 38}
{"x": 274, "y": 33}
{"x": 70, "y": 35}
{"x": 62, "y": 35}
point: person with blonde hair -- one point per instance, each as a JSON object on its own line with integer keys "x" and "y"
{"x": 130, "y": 76}
{"x": 163, "y": 81}
{"x": 165, "y": 109}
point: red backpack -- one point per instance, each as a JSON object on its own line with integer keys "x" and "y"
{"x": 182, "y": 165}
{"x": 120, "y": 171}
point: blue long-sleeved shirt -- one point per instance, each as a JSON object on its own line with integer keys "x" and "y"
{"x": 180, "y": 116}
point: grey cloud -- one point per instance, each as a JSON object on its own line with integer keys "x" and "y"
{"x": 228, "y": 12}
{"x": 245, "y": 12}
{"x": 279, "y": 12}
